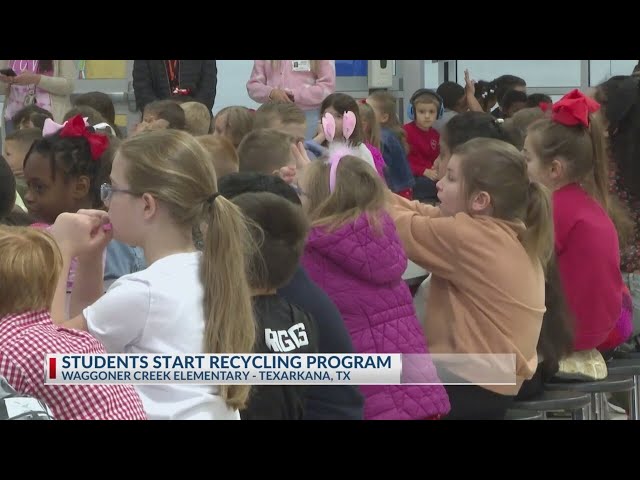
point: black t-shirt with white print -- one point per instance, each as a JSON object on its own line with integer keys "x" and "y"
{"x": 282, "y": 328}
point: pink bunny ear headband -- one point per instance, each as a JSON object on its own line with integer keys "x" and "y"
{"x": 336, "y": 153}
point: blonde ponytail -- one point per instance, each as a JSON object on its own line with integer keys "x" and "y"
{"x": 172, "y": 166}
{"x": 229, "y": 322}
{"x": 538, "y": 238}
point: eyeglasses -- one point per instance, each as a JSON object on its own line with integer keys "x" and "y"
{"x": 107, "y": 191}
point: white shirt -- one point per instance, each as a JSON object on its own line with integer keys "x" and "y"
{"x": 160, "y": 310}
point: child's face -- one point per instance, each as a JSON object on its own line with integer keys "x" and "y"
{"x": 14, "y": 153}
{"x": 338, "y": 119}
{"x": 220, "y": 126}
{"x": 149, "y": 117}
{"x": 426, "y": 114}
{"x": 450, "y": 191}
{"x": 538, "y": 172}
{"x": 514, "y": 108}
{"x": 123, "y": 208}
{"x": 381, "y": 117}
{"x": 47, "y": 198}
{"x": 26, "y": 123}
{"x": 461, "y": 105}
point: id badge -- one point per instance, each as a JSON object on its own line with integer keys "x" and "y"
{"x": 301, "y": 65}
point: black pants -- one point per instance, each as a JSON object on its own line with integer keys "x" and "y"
{"x": 471, "y": 402}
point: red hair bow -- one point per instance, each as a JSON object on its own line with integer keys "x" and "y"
{"x": 544, "y": 106}
{"x": 75, "y": 127}
{"x": 574, "y": 109}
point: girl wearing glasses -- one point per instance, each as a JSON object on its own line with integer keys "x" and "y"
{"x": 186, "y": 301}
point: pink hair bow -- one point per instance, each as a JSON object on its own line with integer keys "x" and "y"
{"x": 51, "y": 128}
{"x": 329, "y": 127}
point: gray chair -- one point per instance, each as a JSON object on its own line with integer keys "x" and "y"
{"x": 597, "y": 390}
{"x": 514, "y": 414}
{"x": 575, "y": 402}
{"x": 629, "y": 367}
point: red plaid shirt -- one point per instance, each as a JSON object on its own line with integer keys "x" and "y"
{"x": 25, "y": 339}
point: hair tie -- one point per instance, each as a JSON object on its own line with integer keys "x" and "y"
{"x": 212, "y": 198}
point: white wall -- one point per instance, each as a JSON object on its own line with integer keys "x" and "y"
{"x": 232, "y": 81}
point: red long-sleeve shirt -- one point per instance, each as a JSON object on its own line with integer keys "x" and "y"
{"x": 424, "y": 147}
{"x": 586, "y": 244}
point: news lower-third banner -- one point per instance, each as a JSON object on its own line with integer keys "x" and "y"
{"x": 281, "y": 369}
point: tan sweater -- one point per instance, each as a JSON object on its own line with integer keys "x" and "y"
{"x": 486, "y": 295}
{"x": 60, "y": 86}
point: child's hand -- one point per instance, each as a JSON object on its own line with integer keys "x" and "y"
{"x": 288, "y": 174}
{"x": 300, "y": 154}
{"x": 320, "y": 137}
{"x": 80, "y": 234}
{"x": 470, "y": 86}
{"x": 431, "y": 173}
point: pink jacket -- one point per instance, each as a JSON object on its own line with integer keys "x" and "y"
{"x": 308, "y": 89}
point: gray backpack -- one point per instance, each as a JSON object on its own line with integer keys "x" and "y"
{"x": 14, "y": 406}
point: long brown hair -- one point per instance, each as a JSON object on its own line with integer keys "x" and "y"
{"x": 387, "y": 104}
{"x": 341, "y": 102}
{"x": 370, "y": 126}
{"x": 499, "y": 169}
{"x": 171, "y": 165}
{"x": 584, "y": 151}
{"x": 358, "y": 189}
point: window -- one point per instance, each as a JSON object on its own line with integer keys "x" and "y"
{"x": 431, "y": 74}
{"x": 537, "y": 73}
{"x": 601, "y": 70}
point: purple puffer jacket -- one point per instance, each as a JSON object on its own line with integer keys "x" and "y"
{"x": 361, "y": 271}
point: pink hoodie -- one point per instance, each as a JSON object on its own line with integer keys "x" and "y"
{"x": 308, "y": 89}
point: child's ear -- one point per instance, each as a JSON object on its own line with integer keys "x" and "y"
{"x": 557, "y": 169}
{"x": 480, "y": 203}
{"x": 384, "y": 117}
{"x": 150, "y": 206}
{"x": 81, "y": 187}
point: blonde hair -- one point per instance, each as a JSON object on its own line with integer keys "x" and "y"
{"x": 498, "y": 168}
{"x": 197, "y": 118}
{"x": 387, "y": 104}
{"x": 370, "y": 125}
{"x": 275, "y": 64}
{"x": 516, "y": 126}
{"x": 286, "y": 113}
{"x": 171, "y": 166}
{"x": 223, "y": 155}
{"x": 265, "y": 151}
{"x": 238, "y": 123}
{"x": 358, "y": 189}
{"x": 30, "y": 265}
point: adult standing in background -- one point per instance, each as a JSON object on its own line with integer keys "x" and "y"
{"x": 45, "y": 83}
{"x": 162, "y": 79}
{"x": 303, "y": 82}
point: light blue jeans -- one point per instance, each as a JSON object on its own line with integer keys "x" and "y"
{"x": 313, "y": 117}
{"x": 632, "y": 280}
